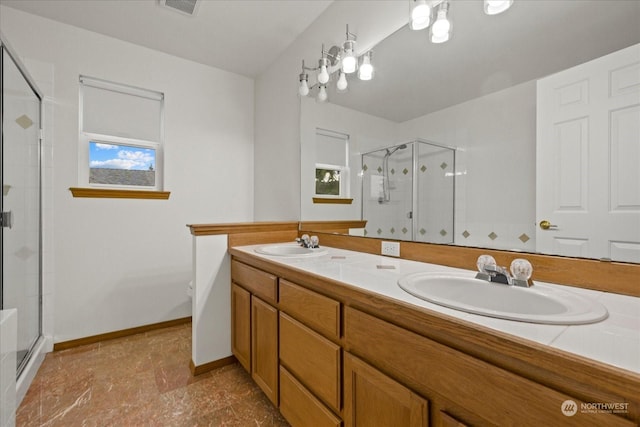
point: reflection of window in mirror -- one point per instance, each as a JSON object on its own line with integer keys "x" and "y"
{"x": 332, "y": 164}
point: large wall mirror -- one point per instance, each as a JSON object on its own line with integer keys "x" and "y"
{"x": 476, "y": 99}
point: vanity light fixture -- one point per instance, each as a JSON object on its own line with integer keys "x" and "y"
{"x": 304, "y": 82}
{"x": 338, "y": 61}
{"x": 441, "y": 29}
{"x": 349, "y": 59}
{"x": 365, "y": 71}
{"x": 420, "y": 15}
{"x": 494, "y": 7}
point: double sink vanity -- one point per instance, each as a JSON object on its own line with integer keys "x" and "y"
{"x": 341, "y": 337}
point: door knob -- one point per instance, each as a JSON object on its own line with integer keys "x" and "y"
{"x": 546, "y": 225}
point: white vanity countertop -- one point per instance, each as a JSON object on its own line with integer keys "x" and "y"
{"x": 614, "y": 341}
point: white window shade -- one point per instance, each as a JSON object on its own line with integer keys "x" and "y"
{"x": 108, "y": 110}
{"x": 331, "y": 148}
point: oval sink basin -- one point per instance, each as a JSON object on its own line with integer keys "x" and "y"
{"x": 290, "y": 251}
{"x": 538, "y": 304}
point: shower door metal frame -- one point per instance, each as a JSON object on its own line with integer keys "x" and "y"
{"x": 6, "y": 47}
{"x": 414, "y": 170}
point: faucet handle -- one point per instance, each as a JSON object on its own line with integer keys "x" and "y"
{"x": 521, "y": 269}
{"x": 314, "y": 241}
{"x": 484, "y": 261}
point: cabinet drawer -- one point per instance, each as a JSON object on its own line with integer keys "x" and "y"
{"x": 300, "y": 407}
{"x": 257, "y": 282}
{"x": 314, "y": 310}
{"x": 313, "y": 359}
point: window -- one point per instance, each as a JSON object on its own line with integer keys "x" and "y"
{"x": 121, "y": 136}
{"x": 332, "y": 164}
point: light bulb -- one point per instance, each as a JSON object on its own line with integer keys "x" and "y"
{"x": 322, "y": 94}
{"x": 342, "y": 81}
{"x": 420, "y": 15}
{"x": 323, "y": 75}
{"x": 494, "y": 7}
{"x": 441, "y": 29}
{"x": 349, "y": 61}
{"x": 365, "y": 72}
{"x": 304, "y": 88}
{"x": 442, "y": 25}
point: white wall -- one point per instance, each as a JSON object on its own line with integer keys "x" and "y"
{"x": 496, "y": 140}
{"x": 365, "y": 132}
{"x": 277, "y": 125}
{"x": 123, "y": 263}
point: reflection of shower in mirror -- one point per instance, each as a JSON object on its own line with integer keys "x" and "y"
{"x": 386, "y": 185}
{"x": 408, "y": 192}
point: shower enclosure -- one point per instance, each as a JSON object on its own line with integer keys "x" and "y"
{"x": 21, "y": 286}
{"x": 408, "y": 192}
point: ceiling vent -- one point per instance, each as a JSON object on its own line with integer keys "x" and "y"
{"x": 186, "y": 7}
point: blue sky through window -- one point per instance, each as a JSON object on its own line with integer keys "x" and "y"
{"x": 117, "y": 156}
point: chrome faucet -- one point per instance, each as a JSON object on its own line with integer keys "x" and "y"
{"x": 495, "y": 274}
{"x": 308, "y": 242}
{"x": 491, "y": 272}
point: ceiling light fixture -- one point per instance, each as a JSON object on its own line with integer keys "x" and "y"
{"x": 349, "y": 58}
{"x": 337, "y": 60}
{"x": 420, "y": 14}
{"x": 365, "y": 71}
{"x": 440, "y": 32}
{"x": 494, "y": 7}
{"x": 441, "y": 29}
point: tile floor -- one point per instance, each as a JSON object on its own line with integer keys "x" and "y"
{"x": 142, "y": 380}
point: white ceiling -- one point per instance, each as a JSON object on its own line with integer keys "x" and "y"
{"x": 413, "y": 77}
{"x": 241, "y": 36}
{"x": 533, "y": 39}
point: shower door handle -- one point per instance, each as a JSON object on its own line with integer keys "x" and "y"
{"x": 6, "y": 220}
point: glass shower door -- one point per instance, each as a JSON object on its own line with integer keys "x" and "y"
{"x": 21, "y": 264}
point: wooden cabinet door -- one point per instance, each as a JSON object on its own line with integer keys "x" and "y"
{"x": 241, "y": 325}
{"x": 264, "y": 347}
{"x": 373, "y": 399}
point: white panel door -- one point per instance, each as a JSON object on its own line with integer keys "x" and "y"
{"x": 588, "y": 159}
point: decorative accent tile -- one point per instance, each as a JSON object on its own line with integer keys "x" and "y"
{"x": 365, "y": 167}
{"x": 423, "y": 168}
{"x": 524, "y": 238}
{"x": 423, "y": 231}
{"x": 443, "y": 165}
{"x": 404, "y": 230}
{"x": 365, "y": 232}
{"x": 393, "y": 171}
{"x": 24, "y": 122}
{"x": 379, "y": 169}
{"x": 393, "y": 230}
{"x": 493, "y": 236}
{"x": 466, "y": 234}
{"x": 405, "y": 171}
{"x": 379, "y": 231}
{"x": 443, "y": 232}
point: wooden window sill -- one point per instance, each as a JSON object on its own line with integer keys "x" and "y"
{"x": 332, "y": 200}
{"x": 102, "y": 193}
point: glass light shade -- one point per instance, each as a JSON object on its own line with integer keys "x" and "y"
{"x": 323, "y": 75}
{"x": 303, "y": 90}
{"x": 365, "y": 72}
{"x": 420, "y": 15}
{"x": 322, "y": 94}
{"x": 349, "y": 62}
{"x": 342, "y": 82}
{"x": 439, "y": 39}
{"x": 442, "y": 25}
{"x": 494, "y": 7}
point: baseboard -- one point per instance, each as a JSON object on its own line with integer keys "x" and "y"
{"x": 119, "y": 334}
{"x": 207, "y": 367}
